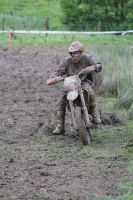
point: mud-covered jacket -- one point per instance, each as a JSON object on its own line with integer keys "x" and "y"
{"x": 68, "y": 66}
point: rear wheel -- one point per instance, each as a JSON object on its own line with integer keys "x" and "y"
{"x": 84, "y": 133}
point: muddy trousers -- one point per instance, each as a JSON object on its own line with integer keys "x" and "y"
{"x": 60, "y": 118}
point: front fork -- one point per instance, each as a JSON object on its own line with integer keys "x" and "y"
{"x": 73, "y": 114}
{"x": 84, "y": 108}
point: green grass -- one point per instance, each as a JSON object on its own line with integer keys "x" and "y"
{"x": 31, "y": 14}
{"x": 109, "y": 41}
{"x": 125, "y": 187}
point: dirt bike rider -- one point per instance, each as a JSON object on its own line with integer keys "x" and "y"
{"x": 79, "y": 63}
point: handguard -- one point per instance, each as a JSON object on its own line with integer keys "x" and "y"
{"x": 52, "y": 81}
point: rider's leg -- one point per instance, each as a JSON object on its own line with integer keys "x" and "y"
{"x": 92, "y": 107}
{"x": 59, "y": 130}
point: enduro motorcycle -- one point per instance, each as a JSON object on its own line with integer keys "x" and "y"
{"x": 78, "y": 104}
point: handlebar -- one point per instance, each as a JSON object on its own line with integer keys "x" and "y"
{"x": 58, "y": 79}
{"x": 52, "y": 81}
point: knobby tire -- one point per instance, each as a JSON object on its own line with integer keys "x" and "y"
{"x": 83, "y": 132}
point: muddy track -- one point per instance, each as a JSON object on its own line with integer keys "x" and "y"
{"x": 34, "y": 164}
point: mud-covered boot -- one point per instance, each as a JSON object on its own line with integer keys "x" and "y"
{"x": 95, "y": 117}
{"x": 60, "y": 130}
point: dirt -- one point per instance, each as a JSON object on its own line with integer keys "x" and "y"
{"x": 34, "y": 164}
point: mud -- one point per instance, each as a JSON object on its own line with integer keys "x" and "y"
{"x": 34, "y": 164}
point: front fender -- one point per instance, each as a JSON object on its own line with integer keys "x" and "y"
{"x": 72, "y": 95}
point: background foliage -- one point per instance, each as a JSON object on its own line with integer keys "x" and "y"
{"x": 94, "y": 15}
{"x": 80, "y": 15}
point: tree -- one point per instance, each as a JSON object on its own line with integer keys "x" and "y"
{"x": 85, "y": 14}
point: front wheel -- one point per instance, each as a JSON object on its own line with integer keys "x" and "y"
{"x": 84, "y": 133}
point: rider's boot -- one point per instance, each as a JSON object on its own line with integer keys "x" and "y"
{"x": 95, "y": 117}
{"x": 60, "y": 130}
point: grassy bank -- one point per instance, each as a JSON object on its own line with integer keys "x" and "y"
{"x": 119, "y": 142}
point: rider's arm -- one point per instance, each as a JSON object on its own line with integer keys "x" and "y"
{"x": 61, "y": 70}
{"x": 92, "y": 65}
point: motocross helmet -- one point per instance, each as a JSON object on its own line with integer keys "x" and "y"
{"x": 74, "y": 47}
